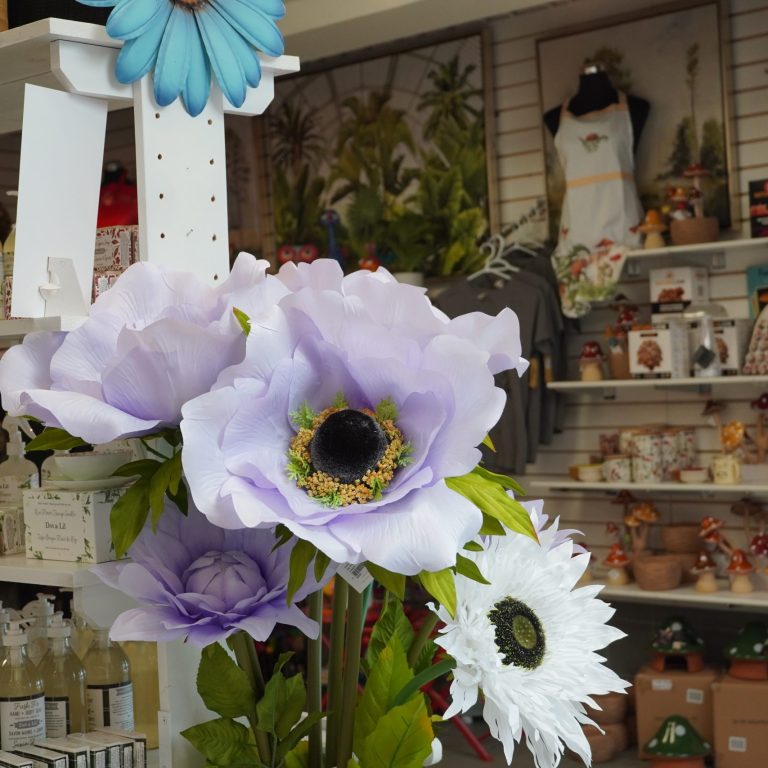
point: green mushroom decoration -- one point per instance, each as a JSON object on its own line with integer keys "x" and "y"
{"x": 748, "y": 654}
{"x": 677, "y": 745}
{"x": 677, "y": 641}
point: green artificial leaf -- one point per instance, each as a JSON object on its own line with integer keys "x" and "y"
{"x": 282, "y": 535}
{"x": 352, "y": 763}
{"x": 393, "y": 582}
{"x": 300, "y": 732}
{"x": 295, "y": 701}
{"x": 402, "y": 738}
{"x": 223, "y": 686}
{"x": 54, "y": 439}
{"x": 283, "y": 702}
{"x": 426, "y": 657}
{"x": 388, "y": 676}
{"x": 488, "y": 443}
{"x": 468, "y": 568}
{"x": 298, "y": 757}
{"x": 322, "y": 561}
{"x": 158, "y": 485}
{"x": 303, "y": 416}
{"x": 223, "y": 742}
{"x": 491, "y": 527}
{"x": 302, "y": 555}
{"x": 180, "y": 499}
{"x": 141, "y": 468}
{"x": 386, "y": 410}
{"x": 243, "y": 319}
{"x": 128, "y": 515}
{"x": 503, "y": 480}
{"x": 391, "y": 623}
{"x": 441, "y": 585}
{"x": 490, "y": 497}
{"x": 473, "y": 546}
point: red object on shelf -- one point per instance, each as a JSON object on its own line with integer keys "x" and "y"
{"x": 118, "y": 200}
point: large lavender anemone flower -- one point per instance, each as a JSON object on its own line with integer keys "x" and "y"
{"x": 355, "y": 401}
{"x": 197, "y": 581}
{"x": 155, "y": 340}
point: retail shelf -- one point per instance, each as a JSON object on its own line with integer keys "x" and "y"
{"x": 716, "y": 246}
{"x": 568, "y": 484}
{"x": 609, "y": 384}
{"x": 13, "y": 330}
{"x": 51, "y": 573}
{"x": 753, "y": 601}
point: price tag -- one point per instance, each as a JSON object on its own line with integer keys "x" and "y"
{"x": 357, "y": 576}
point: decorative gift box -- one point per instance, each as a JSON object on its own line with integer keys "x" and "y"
{"x": 116, "y": 248}
{"x": 675, "y": 288}
{"x": 741, "y": 722}
{"x": 758, "y": 208}
{"x": 70, "y": 525}
{"x": 661, "y": 351}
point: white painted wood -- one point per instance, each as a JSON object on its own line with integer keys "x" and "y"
{"x": 88, "y": 70}
{"x": 709, "y": 489}
{"x": 62, "y": 150}
{"x": 725, "y": 246}
{"x": 601, "y": 386}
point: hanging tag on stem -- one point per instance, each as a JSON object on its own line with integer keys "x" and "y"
{"x": 357, "y": 576}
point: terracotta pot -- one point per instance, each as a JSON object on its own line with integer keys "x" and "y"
{"x": 602, "y": 745}
{"x": 3, "y": 15}
{"x": 620, "y": 734}
{"x": 676, "y": 762}
{"x": 613, "y": 709}
{"x": 632, "y": 729}
{"x": 658, "y": 572}
{"x": 681, "y": 537}
{"x": 694, "y": 662}
{"x": 691, "y": 231}
{"x": 745, "y": 669}
{"x": 687, "y": 561}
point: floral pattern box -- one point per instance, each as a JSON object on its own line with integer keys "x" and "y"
{"x": 69, "y": 525}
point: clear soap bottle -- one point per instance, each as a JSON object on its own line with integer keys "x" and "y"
{"x": 41, "y": 611}
{"x": 64, "y": 679}
{"x": 22, "y": 697}
{"x": 146, "y": 687}
{"x": 16, "y": 472}
{"x": 109, "y": 691}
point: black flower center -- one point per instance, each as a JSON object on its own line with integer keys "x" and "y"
{"x": 348, "y": 444}
{"x": 192, "y": 5}
{"x": 519, "y": 634}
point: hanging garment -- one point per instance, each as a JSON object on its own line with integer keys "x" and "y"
{"x": 601, "y": 209}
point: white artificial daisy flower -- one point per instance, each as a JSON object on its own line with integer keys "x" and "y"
{"x": 528, "y": 642}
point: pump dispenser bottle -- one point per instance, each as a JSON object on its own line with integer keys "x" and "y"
{"x": 108, "y": 679}
{"x": 16, "y": 472}
{"x": 41, "y": 612}
{"x": 22, "y": 702}
{"x": 64, "y": 679}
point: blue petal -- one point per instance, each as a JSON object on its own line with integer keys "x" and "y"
{"x": 216, "y": 33}
{"x": 100, "y": 3}
{"x": 247, "y": 55}
{"x": 173, "y": 57}
{"x": 256, "y": 27}
{"x": 133, "y": 17}
{"x": 198, "y": 84}
{"x": 138, "y": 56}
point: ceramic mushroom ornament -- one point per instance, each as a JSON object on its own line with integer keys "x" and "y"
{"x": 758, "y": 547}
{"x": 652, "y": 227}
{"x": 710, "y": 530}
{"x": 761, "y": 433}
{"x": 739, "y": 570}
{"x": 591, "y": 362}
{"x": 748, "y": 654}
{"x": 677, "y": 745}
{"x": 677, "y": 640}
{"x": 617, "y": 562}
{"x": 705, "y": 569}
{"x": 644, "y": 514}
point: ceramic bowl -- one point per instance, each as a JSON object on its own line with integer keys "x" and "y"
{"x": 89, "y": 466}
{"x": 590, "y": 473}
{"x": 697, "y": 475}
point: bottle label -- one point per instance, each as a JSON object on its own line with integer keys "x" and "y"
{"x": 12, "y": 487}
{"x": 110, "y": 706}
{"x": 57, "y": 723}
{"x": 22, "y": 720}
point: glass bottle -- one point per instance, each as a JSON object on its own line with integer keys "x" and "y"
{"x": 41, "y": 610}
{"x": 64, "y": 679}
{"x": 146, "y": 688}
{"x": 22, "y": 698}
{"x": 109, "y": 690}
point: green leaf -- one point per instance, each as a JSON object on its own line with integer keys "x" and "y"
{"x": 158, "y": 485}
{"x": 473, "y": 546}
{"x": 388, "y": 677}
{"x": 128, "y": 516}
{"x": 283, "y": 535}
{"x": 353, "y": 763}
{"x": 441, "y": 585}
{"x": 299, "y": 732}
{"x": 491, "y": 527}
{"x": 503, "y": 480}
{"x": 426, "y": 657}
{"x": 402, "y": 738}
{"x": 468, "y": 568}
{"x": 142, "y": 468}
{"x": 295, "y": 701}
{"x": 269, "y": 706}
{"x": 391, "y": 623}
{"x": 243, "y": 319}
{"x": 386, "y": 410}
{"x": 223, "y": 686}
{"x": 393, "y": 582}
{"x": 180, "y": 499}
{"x": 322, "y": 561}
{"x": 488, "y": 443}
{"x": 54, "y": 439}
{"x": 283, "y": 702}
{"x": 298, "y": 757}
{"x": 304, "y": 416}
{"x": 301, "y": 556}
{"x": 223, "y": 742}
{"x": 490, "y": 497}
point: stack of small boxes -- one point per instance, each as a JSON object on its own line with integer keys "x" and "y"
{"x": 116, "y": 249}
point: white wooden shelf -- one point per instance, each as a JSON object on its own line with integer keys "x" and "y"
{"x": 688, "y": 383}
{"x": 50, "y": 573}
{"x": 717, "y": 246}
{"x": 13, "y": 330}
{"x": 568, "y": 484}
{"x": 724, "y": 599}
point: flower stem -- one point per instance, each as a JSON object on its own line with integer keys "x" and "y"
{"x": 314, "y": 673}
{"x": 425, "y": 630}
{"x": 351, "y": 674}
{"x": 248, "y": 661}
{"x": 427, "y": 676}
{"x": 340, "y": 593}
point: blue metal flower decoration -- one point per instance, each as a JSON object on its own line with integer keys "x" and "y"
{"x": 182, "y": 40}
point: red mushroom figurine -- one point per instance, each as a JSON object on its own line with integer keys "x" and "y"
{"x": 761, "y": 436}
{"x": 705, "y": 568}
{"x": 759, "y": 547}
{"x": 591, "y": 362}
{"x": 710, "y": 532}
{"x": 617, "y": 562}
{"x": 739, "y": 569}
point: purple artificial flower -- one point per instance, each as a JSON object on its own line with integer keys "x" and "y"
{"x": 355, "y": 401}
{"x": 153, "y": 341}
{"x": 197, "y": 581}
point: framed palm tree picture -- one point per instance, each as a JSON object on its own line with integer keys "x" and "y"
{"x": 384, "y": 161}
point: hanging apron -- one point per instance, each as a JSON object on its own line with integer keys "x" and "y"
{"x": 601, "y": 209}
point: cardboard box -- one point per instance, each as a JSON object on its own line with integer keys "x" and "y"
{"x": 97, "y": 754}
{"x": 42, "y": 758}
{"x": 119, "y": 749}
{"x": 675, "y": 288}
{"x": 116, "y": 248}
{"x": 102, "y": 282}
{"x": 758, "y": 208}
{"x": 674, "y": 692}
{"x": 69, "y": 525}
{"x": 139, "y": 743}
{"x": 661, "y": 351}
{"x": 76, "y": 754}
{"x": 741, "y": 723}
{"x": 732, "y": 339}
{"x": 9, "y": 760}
{"x": 757, "y": 289}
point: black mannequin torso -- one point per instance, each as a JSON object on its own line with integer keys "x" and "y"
{"x": 595, "y": 93}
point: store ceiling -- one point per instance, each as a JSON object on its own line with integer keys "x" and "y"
{"x": 316, "y": 29}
